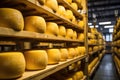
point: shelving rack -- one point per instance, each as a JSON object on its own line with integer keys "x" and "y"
{"x": 21, "y": 38}
{"x": 115, "y": 45}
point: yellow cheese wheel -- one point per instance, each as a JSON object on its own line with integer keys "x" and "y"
{"x": 77, "y": 51}
{"x": 79, "y": 75}
{"x": 69, "y": 1}
{"x": 93, "y": 63}
{"x": 69, "y": 33}
{"x": 35, "y": 24}
{"x": 74, "y": 35}
{"x": 81, "y": 50}
{"x": 81, "y": 37}
{"x": 12, "y": 65}
{"x": 52, "y": 29}
{"x": 53, "y": 4}
{"x": 74, "y": 20}
{"x": 81, "y": 24}
{"x": 69, "y": 79}
{"x": 42, "y": 2}
{"x": 36, "y": 59}
{"x": 74, "y": 6}
{"x": 90, "y": 49}
{"x": 49, "y": 9}
{"x": 71, "y": 53}
{"x": 53, "y": 56}
{"x": 69, "y": 14}
{"x": 62, "y": 31}
{"x": 11, "y": 18}
{"x": 61, "y": 10}
{"x": 79, "y": 1}
{"x": 64, "y": 54}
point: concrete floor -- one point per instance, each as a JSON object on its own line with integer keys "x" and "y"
{"x": 106, "y": 69}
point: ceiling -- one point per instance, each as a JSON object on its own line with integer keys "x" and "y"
{"x": 104, "y": 11}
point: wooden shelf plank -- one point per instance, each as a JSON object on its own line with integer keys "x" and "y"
{"x": 50, "y": 69}
{"x": 92, "y": 44}
{"x": 7, "y": 43}
{"x": 93, "y": 52}
{"x": 67, "y": 5}
{"x": 27, "y": 6}
{"x": 84, "y": 78}
{"x": 10, "y": 34}
{"x": 93, "y": 69}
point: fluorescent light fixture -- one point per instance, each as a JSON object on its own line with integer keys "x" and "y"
{"x": 104, "y": 23}
{"x": 89, "y": 24}
{"x": 109, "y": 26}
{"x": 111, "y": 30}
{"x": 93, "y": 26}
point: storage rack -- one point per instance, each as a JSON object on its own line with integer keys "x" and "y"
{"x": 29, "y": 37}
{"x": 95, "y": 53}
{"x": 115, "y": 45}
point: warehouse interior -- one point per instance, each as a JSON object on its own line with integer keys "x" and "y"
{"x": 60, "y": 40}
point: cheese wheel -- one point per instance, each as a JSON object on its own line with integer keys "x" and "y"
{"x": 53, "y": 56}
{"x": 81, "y": 37}
{"x": 36, "y": 59}
{"x": 52, "y": 29}
{"x": 74, "y": 35}
{"x": 61, "y": 10}
{"x": 79, "y": 75}
{"x": 74, "y": 20}
{"x": 62, "y": 31}
{"x": 64, "y": 54}
{"x": 69, "y": 14}
{"x": 49, "y": 9}
{"x": 77, "y": 51}
{"x": 79, "y": 1}
{"x": 53, "y": 4}
{"x": 71, "y": 53}
{"x": 74, "y": 6}
{"x": 90, "y": 49}
{"x": 42, "y": 2}
{"x": 12, "y": 65}
{"x": 81, "y": 24}
{"x": 81, "y": 50}
{"x": 69, "y": 33}
{"x": 69, "y": 1}
{"x": 69, "y": 79}
{"x": 11, "y": 18}
{"x": 35, "y": 24}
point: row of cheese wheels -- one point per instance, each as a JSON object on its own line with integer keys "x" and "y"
{"x": 92, "y": 64}
{"x": 13, "y": 64}
{"x": 116, "y": 26}
{"x": 116, "y": 50}
{"x": 78, "y": 75}
{"x": 12, "y": 18}
{"x": 95, "y": 48}
{"x": 116, "y": 43}
{"x": 117, "y": 60}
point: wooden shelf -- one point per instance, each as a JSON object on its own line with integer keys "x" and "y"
{"x": 10, "y": 34}
{"x": 93, "y": 52}
{"x": 67, "y": 5}
{"x": 93, "y": 69}
{"x": 117, "y": 54}
{"x": 28, "y": 9}
{"x": 93, "y": 45}
{"x": 84, "y": 78}
{"x": 4, "y": 43}
{"x": 118, "y": 69}
{"x": 50, "y": 69}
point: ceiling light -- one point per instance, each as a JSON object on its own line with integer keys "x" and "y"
{"x": 104, "y": 23}
{"x": 89, "y": 24}
{"x": 110, "y": 26}
{"x": 93, "y": 26}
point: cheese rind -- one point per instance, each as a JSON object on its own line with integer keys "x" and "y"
{"x": 36, "y": 59}
{"x": 11, "y": 18}
{"x": 12, "y": 65}
{"x": 64, "y": 54}
{"x": 35, "y": 24}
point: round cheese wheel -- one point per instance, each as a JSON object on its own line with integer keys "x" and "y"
{"x": 35, "y": 24}
{"x": 77, "y": 51}
{"x": 81, "y": 50}
{"x": 81, "y": 37}
{"x": 71, "y": 53}
{"x": 52, "y": 29}
{"x": 74, "y": 20}
{"x": 53, "y": 56}
{"x": 69, "y": 14}
{"x": 62, "y": 31}
{"x": 81, "y": 24}
{"x": 79, "y": 1}
{"x": 53, "y": 4}
{"x": 74, "y": 35}
{"x": 61, "y": 10}
{"x": 69, "y": 79}
{"x": 64, "y": 54}
{"x": 12, "y": 65}
{"x": 79, "y": 75}
{"x": 36, "y": 59}
{"x": 11, "y": 18}
{"x": 90, "y": 49}
{"x": 74, "y": 6}
{"x": 69, "y": 33}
